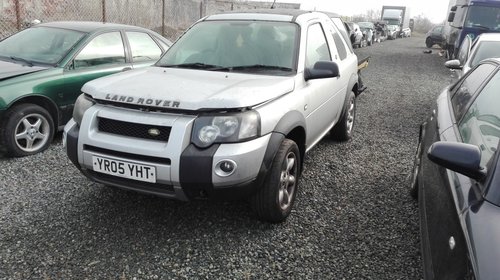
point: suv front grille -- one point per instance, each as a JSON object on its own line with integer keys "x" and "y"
{"x": 136, "y": 130}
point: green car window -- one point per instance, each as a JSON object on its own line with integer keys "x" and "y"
{"x": 104, "y": 49}
{"x": 143, "y": 47}
{"x": 45, "y": 45}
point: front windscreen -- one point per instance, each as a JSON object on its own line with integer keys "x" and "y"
{"x": 236, "y": 45}
{"x": 485, "y": 49}
{"x": 486, "y": 18}
{"x": 39, "y": 44}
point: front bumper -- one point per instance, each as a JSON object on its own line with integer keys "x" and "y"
{"x": 183, "y": 171}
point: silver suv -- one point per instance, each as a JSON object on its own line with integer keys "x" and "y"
{"x": 228, "y": 112}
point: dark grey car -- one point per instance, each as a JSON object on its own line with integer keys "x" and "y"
{"x": 457, "y": 179}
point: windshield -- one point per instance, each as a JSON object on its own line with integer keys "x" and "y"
{"x": 487, "y": 18}
{"x": 485, "y": 49}
{"x": 246, "y": 46}
{"x": 43, "y": 45}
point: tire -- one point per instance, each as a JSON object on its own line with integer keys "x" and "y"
{"x": 342, "y": 131}
{"x": 274, "y": 200}
{"x": 428, "y": 42}
{"x": 28, "y": 129}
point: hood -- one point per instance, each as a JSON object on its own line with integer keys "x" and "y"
{"x": 188, "y": 89}
{"x": 10, "y": 69}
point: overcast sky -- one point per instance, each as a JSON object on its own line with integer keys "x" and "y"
{"x": 435, "y": 10}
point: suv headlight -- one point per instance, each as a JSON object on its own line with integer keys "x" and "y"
{"x": 82, "y": 103}
{"x": 225, "y": 128}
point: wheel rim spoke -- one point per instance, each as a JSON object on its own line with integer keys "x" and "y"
{"x": 26, "y": 123}
{"x": 22, "y": 136}
{"x": 37, "y": 124}
{"x": 287, "y": 181}
{"x": 29, "y": 143}
{"x": 40, "y": 136}
{"x": 290, "y": 164}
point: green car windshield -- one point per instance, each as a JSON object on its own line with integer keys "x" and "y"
{"x": 44, "y": 45}
{"x": 246, "y": 46}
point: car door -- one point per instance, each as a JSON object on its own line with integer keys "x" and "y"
{"x": 143, "y": 49}
{"x": 104, "y": 54}
{"x": 345, "y": 61}
{"x": 320, "y": 92}
{"x": 445, "y": 194}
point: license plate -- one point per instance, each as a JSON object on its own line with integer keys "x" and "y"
{"x": 124, "y": 169}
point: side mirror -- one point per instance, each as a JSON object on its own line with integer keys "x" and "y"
{"x": 453, "y": 64}
{"x": 451, "y": 17}
{"x": 321, "y": 70}
{"x": 459, "y": 157}
{"x": 453, "y": 9}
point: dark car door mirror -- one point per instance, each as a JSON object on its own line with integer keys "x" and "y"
{"x": 451, "y": 17}
{"x": 453, "y": 64}
{"x": 321, "y": 70}
{"x": 459, "y": 157}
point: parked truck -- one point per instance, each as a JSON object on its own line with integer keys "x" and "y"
{"x": 470, "y": 17}
{"x": 398, "y": 21}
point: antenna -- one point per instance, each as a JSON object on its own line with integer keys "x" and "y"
{"x": 272, "y": 6}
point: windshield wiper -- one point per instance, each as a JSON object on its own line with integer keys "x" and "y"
{"x": 22, "y": 60}
{"x": 481, "y": 26}
{"x": 195, "y": 65}
{"x": 261, "y": 67}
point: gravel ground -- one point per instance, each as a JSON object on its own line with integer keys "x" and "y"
{"x": 353, "y": 219}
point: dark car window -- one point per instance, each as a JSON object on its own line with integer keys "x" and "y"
{"x": 485, "y": 49}
{"x": 316, "y": 47}
{"x": 463, "y": 91}
{"x": 481, "y": 123}
{"x": 437, "y": 29}
{"x": 339, "y": 44}
{"x": 104, "y": 49}
{"x": 143, "y": 47}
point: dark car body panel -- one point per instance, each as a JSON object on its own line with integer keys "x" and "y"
{"x": 460, "y": 229}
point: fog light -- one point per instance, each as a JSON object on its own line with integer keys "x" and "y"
{"x": 225, "y": 168}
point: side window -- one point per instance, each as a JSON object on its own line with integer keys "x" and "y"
{"x": 143, "y": 47}
{"x": 481, "y": 123}
{"x": 339, "y": 44}
{"x": 104, "y": 49}
{"x": 317, "y": 47}
{"x": 463, "y": 92}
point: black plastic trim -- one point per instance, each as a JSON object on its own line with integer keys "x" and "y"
{"x": 195, "y": 174}
{"x": 290, "y": 121}
{"x": 72, "y": 145}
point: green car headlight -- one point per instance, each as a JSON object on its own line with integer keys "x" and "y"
{"x": 82, "y": 103}
{"x": 227, "y": 128}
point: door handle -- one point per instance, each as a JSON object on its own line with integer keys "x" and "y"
{"x": 126, "y": 69}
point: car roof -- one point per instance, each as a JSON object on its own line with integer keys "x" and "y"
{"x": 87, "y": 26}
{"x": 286, "y": 15}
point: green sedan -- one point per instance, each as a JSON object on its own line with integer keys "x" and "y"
{"x": 43, "y": 68}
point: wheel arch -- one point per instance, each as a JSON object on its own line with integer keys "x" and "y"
{"x": 353, "y": 85}
{"x": 293, "y": 126}
{"x": 42, "y": 101}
